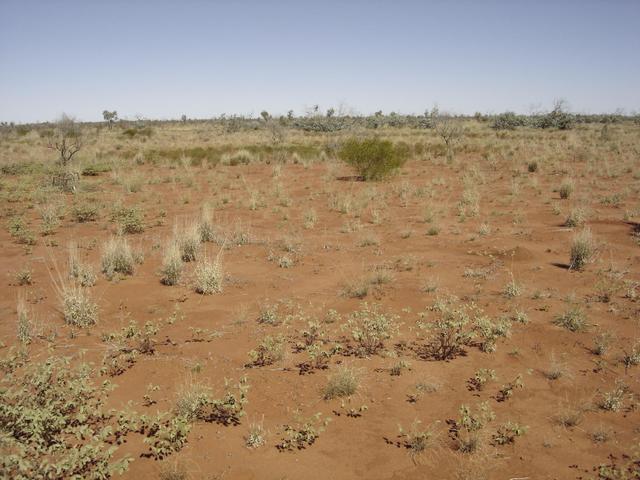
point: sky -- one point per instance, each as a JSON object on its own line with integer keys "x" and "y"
{"x": 161, "y": 59}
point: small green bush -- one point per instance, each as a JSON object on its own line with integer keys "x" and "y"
{"x": 373, "y": 159}
{"x": 129, "y": 220}
{"x": 85, "y": 212}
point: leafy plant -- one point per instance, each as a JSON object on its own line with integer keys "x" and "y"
{"x": 302, "y": 433}
{"x": 466, "y": 430}
{"x": 269, "y": 351}
{"x": 507, "y": 389}
{"x": 370, "y": 328}
{"x": 452, "y": 329}
{"x": 54, "y": 424}
{"x": 508, "y": 432}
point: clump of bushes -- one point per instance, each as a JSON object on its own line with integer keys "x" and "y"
{"x": 507, "y": 121}
{"x": 374, "y": 159}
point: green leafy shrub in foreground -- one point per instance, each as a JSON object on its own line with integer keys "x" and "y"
{"x": 374, "y": 159}
{"x": 53, "y": 425}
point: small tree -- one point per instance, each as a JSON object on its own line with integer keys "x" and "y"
{"x": 110, "y": 117}
{"x": 450, "y": 131}
{"x": 67, "y": 140}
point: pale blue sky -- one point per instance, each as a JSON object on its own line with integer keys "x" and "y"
{"x": 160, "y": 59}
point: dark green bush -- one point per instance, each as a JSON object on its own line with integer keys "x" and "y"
{"x": 374, "y": 159}
{"x": 507, "y": 121}
{"x": 95, "y": 169}
{"x": 138, "y": 131}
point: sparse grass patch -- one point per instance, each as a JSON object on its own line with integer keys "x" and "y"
{"x": 78, "y": 308}
{"x": 117, "y": 257}
{"x": 573, "y": 320}
{"x": 582, "y": 250}
{"x": 81, "y": 272}
{"x": 417, "y": 439}
{"x": 172, "y": 265}
{"x": 343, "y": 383}
{"x": 189, "y": 242}
{"x": 208, "y": 276}
{"x": 577, "y": 217}
{"x": 566, "y": 189}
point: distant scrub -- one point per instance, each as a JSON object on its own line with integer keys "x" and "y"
{"x": 95, "y": 169}
{"x": 507, "y": 121}
{"x": 138, "y": 132}
{"x": 374, "y": 159}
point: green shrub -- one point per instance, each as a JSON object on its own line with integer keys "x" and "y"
{"x": 373, "y": 159}
{"x": 268, "y": 352}
{"x": 85, "y": 212}
{"x": 302, "y": 433}
{"x": 370, "y": 328}
{"x": 129, "y": 220}
{"x": 54, "y": 424}
{"x": 20, "y": 232}
{"x": 507, "y": 121}
{"x": 452, "y": 330}
{"x": 95, "y": 169}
